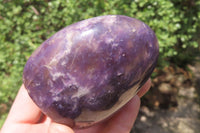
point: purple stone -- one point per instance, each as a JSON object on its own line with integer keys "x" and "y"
{"x": 87, "y": 71}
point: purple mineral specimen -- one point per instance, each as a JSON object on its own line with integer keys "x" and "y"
{"x": 89, "y": 70}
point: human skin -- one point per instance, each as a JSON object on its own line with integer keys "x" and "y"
{"x": 25, "y": 116}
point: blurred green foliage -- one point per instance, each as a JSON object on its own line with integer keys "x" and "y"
{"x": 25, "y": 24}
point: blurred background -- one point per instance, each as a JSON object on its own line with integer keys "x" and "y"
{"x": 173, "y": 103}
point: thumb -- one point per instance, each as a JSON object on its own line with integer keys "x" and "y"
{"x": 59, "y": 128}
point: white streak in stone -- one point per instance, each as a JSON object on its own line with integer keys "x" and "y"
{"x": 109, "y": 40}
{"x": 87, "y": 32}
{"x": 37, "y": 84}
{"x": 63, "y": 63}
{"x": 53, "y": 61}
{"x": 133, "y": 30}
{"x": 75, "y": 55}
{"x": 49, "y": 82}
{"x": 81, "y": 92}
{"x": 83, "y": 24}
{"x": 69, "y": 37}
{"x": 56, "y": 98}
{"x": 110, "y": 21}
{"x": 47, "y": 66}
{"x": 115, "y": 45}
{"x": 72, "y": 80}
{"x": 57, "y": 75}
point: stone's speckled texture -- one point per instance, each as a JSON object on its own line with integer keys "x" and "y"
{"x": 88, "y": 70}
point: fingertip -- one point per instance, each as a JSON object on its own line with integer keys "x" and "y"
{"x": 124, "y": 119}
{"x": 24, "y": 110}
{"x": 135, "y": 100}
{"x": 145, "y": 88}
{"x": 59, "y": 128}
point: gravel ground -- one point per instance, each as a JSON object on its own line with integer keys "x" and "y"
{"x": 181, "y": 113}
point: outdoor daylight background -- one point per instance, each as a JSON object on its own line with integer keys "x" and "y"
{"x": 172, "y": 104}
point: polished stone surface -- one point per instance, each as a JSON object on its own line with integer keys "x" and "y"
{"x": 88, "y": 70}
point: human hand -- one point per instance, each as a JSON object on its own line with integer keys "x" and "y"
{"x": 26, "y": 117}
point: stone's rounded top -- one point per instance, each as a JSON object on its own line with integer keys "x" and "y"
{"x": 91, "y": 67}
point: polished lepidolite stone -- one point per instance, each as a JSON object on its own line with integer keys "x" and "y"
{"x": 89, "y": 70}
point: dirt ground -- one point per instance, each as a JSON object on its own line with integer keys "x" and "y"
{"x": 173, "y": 103}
